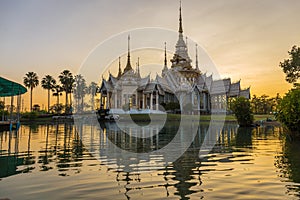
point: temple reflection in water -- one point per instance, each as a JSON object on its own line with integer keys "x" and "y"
{"x": 59, "y": 149}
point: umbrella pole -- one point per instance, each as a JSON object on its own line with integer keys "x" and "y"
{"x": 3, "y": 109}
{"x": 11, "y": 109}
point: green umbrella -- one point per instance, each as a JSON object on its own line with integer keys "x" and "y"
{"x": 10, "y": 88}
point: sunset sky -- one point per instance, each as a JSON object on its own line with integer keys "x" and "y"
{"x": 245, "y": 39}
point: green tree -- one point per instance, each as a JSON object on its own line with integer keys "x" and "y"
{"x": 48, "y": 83}
{"x": 67, "y": 81}
{"x": 31, "y": 80}
{"x": 242, "y": 111}
{"x": 80, "y": 90}
{"x": 57, "y": 108}
{"x": 92, "y": 89}
{"x": 172, "y": 106}
{"x": 255, "y": 103}
{"x": 57, "y": 91}
{"x": 264, "y": 104}
{"x": 2, "y": 105}
{"x": 291, "y": 66}
{"x": 289, "y": 110}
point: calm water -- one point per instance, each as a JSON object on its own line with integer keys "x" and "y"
{"x": 64, "y": 161}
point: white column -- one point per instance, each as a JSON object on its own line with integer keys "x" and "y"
{"x": 120, "y": 100}
{"x": 208, "y": 102}
{"x": 116, "y": 98}
{"x": 136, "y": 101}
{"x": 151, "y": 101}
{"x": 108, "y": 101}
{"x": 157, "y": 100}
{"x": 143, "y": 95}
{"x": 204, "y": 101}
{"x": 198, "y": 100}
{"x": 192, "y": 96}
{"x": 181, "y": 100}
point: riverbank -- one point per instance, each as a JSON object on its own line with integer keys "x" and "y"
{"x": 145, "y": 118}
{"x": 46, "y": 118}
{"x": 178, "y": 117}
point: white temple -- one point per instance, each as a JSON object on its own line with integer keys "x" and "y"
{"x": 178, "y": 84}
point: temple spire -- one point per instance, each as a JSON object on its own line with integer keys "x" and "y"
{"x": 128, "y": 65}
{"x": 181, "y": 57}
{"x": 197, "y": 67}
{"x": 165, "y": 54}
{"x": 120, "y": 71}
{"x": 165, "y": 69}
{"x": 128, "y": 45}
{"x": 180, "y": 20}
{"x": 138, "y": 67}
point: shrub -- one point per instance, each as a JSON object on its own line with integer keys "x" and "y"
{"x": 4, "y": 114}
{"x": 57, "y": 108}
{"x": 242, "y": 111}
{"x": 172, "y": 106}
{"x": 289, "y": 110}
{"x": 30, "y": 115}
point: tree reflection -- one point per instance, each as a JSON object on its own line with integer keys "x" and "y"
{"x": 289, "y": 164}
{"x": 45, "y": 159}
{"x": 70, "y": 157}
{"x": 244, "y": 137}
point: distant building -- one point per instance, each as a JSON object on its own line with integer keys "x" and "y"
{"x": 128, "y": 90}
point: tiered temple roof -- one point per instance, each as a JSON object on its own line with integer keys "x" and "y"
{"x": 180, "y": 77}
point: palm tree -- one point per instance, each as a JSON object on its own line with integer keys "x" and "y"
{"x": 67, "y": 81}
{"x": 31, "y": 80}
{"x": 57, "y": 89}
{"x": 80, "y": 91}
{"x": 48, "y": 83}
{"x": 92, "y": 91}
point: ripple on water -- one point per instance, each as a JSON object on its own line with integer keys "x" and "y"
{"x": 251, "y": 166}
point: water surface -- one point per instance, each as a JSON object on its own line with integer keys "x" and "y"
{"x": 64, "y": 161}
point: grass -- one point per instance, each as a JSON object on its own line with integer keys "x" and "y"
{"x": 177, "y": 117}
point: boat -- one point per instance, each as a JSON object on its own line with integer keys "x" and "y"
{"x": 105, "y": 115}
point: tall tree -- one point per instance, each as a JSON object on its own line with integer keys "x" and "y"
{"x": 57, "y": 91}
{"x": 92, "y": 89}
{"x": 291, "y": 66}
{"x": 67, "y": 81}
{"x": 31, "y": 80}
{"x": 80, "y": 91}
{"x": 255, "y": 103}
{"x": 289, "y": 110}
{"x": 264, "y": 104}
{"x": 48, "y": 83}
